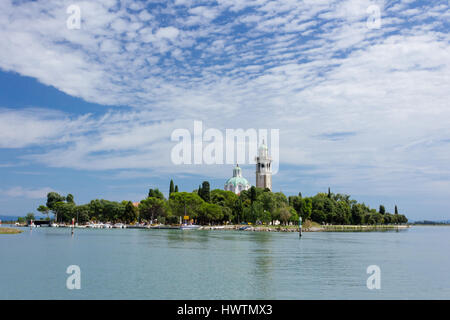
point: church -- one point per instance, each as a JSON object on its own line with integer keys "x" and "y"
{"x": 238, "y": 183}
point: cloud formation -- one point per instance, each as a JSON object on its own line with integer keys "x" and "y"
{"x": 360, "y": 106}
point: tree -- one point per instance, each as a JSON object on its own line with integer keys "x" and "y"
{"x": 204, "y": 192}
{"x": 357, "y": 214}
{"x": 69, "y": 199}
{"x": 30, "y": 216}
{"x": 171, "y": 188}
{"x": 396, "y": 209}
{"x": 306, "y": 208}
{"x": 43, "y": 209}
{"x": 209, "y": 212}
{"x": 155, "y": 193}
{"x": 152, "y": 208}
{"x": 284, "y": 213}
{"x": 64, "y": 211}
{"x": 82, "y": 213}
{"x": 130, "y": 213}
{"x": 238, "y": 209}
{"x": 329, "y": 192}
{"x": 382, "y": 209}
{"x": 176, "y": 188}
{"x": 52, "y": 198}
{"x": 181, "y": 201}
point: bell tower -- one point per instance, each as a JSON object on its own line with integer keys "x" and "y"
{"x": 263, "y": 168}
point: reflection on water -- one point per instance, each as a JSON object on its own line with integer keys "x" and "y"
{"x": 204, "y": 264}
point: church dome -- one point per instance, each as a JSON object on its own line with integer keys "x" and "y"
{"x": 237, "y": 183}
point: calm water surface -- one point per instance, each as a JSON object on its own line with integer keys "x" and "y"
{"x": 172, "y": 264}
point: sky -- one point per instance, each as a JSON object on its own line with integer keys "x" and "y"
{"x": 361, "y": 107}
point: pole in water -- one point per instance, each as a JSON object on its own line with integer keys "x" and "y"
{"x": 73, "y": 220}
{"x": 300, "y": 226}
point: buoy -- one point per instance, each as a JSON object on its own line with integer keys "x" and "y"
{"x": 299, "y": 226}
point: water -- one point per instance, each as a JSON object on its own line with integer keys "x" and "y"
{"x": 173, "y": 264}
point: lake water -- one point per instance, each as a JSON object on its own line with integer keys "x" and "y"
{"x": 173, "y": 264}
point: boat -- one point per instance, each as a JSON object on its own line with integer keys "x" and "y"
{"x": 189, "y": 226}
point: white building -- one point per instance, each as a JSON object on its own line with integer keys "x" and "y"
{"x": 263, "y": 168}
{"x": 237, "y": 183}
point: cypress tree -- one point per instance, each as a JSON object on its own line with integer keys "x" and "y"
{"x": 329, "y": 192}
{"x": 396, "y": 210}
{"x": 171, "y": 188}
{"x": 205, "y": 194}
{"x": 176, "y": 188}
{"x": 382, "y": 209}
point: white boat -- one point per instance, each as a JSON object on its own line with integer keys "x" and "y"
{"x": 189, "y": 226}
{"x": 119, "y": 226}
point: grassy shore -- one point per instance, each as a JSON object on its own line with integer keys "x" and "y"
{"x": 4, "y": 230}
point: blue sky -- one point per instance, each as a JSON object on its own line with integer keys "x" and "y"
{"x": 90, "y": 111}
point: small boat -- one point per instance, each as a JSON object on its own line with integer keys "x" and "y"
{"x": 189, "y": 226}
{"x": 119, "y": 226}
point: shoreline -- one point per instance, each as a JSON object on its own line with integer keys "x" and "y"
{"x": 322, "y": 228}
{"x": 277, "y": 228}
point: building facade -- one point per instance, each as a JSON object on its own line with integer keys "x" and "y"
{"x": 263, "y": 168}
{"x": 237, "y": 183}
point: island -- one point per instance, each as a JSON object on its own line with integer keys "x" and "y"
{"x": 255, "y": 209}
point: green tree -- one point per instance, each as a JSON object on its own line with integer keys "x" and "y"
{"x": 64, "y": 211}
{"x": 176, "y": 188}
{"x": 179, "y": 201}
{"x": 155, "y": 193}
{"x": 171, "y": 188}
{"x": 306, "y": 208}
{"x": 209, "y": 213}
{"x": 30, "y": 216}
{"x": 43, "y": 209}
{"x": 284, "y": 213}
{"x": 69, "y": 199}
{"x": 52, "y": 198}
{"x": 396, "y": 209}
{"x": 152, "y": 208}
{"x": 204, "y": 191}
{"x": 382, "y": 209}
{"x": 357, "y": 214}
{"x": 130, "y": 214}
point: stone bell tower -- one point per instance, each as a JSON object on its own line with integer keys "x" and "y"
{"x": 263, "y": 168}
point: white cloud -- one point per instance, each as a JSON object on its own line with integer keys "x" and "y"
{"x": 309, "y": 68}
{"x": 20, "y": 192}
{"x": 167, "y": 33}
